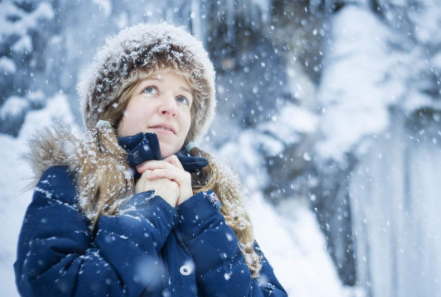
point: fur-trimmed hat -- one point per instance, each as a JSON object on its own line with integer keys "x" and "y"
{"x": 145, "y": 46}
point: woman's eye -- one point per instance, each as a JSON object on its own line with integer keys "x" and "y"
{"x": 149, "y": 90}
{"x": 185, "y": 99}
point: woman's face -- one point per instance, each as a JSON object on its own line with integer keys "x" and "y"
{"x": 162, "y": 99}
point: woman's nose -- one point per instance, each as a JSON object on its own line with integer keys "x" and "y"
{"x": 168, "y": 105}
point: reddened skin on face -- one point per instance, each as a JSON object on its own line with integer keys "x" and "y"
{"x": 161, "y": 104}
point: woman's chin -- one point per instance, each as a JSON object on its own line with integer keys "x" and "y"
{"x": 166, "y": 151}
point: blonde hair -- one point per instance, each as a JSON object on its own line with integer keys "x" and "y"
{"x": 104, "y": 179}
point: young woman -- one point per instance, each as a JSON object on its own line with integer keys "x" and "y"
{"x": 132, "y": 207}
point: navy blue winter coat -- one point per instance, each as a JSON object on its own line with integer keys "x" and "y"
{"x": 150, "y": 249}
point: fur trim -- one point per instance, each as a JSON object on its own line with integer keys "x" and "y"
{"x": 148, "y": 46}
{"x": 51, "y": 146}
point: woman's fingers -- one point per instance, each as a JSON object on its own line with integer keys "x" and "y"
{"x": 169, "y": 162}
{"x": 171, "y": 169}
{"x": 174, "y": 175}
{"x": 174, "y": 161}
{"x": 152, "y": 164}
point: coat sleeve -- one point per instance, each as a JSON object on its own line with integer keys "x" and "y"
{"x": 57, "y": 255}
{"x": 219, "y": 264}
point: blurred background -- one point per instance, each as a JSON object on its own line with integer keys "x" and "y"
{"x": 329, "y": 110}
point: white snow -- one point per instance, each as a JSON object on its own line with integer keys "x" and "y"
{"x": 427, "y": 20}
{"x": 13, "y": 106}
{"x": 7, "y": 65}
{"x": 295, "y": 247}
{"x": 24, "y": 21}
{"x": 24, "y": 44}
{"x": 356, "y": 90}
{"x": 287, "y": 127}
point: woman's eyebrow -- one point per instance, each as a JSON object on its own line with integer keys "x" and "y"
{"x": 160, "y": 80}
{"x": 143, "y": 81}
{"x": 185, "y": 89}
{"x": 153, "y": 78}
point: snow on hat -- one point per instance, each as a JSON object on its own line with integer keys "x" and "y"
{"x": 144, "y": 46}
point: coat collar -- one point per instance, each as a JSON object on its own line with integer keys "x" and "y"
{"x": 145, "y": 146}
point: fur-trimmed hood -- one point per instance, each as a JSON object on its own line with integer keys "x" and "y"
{"x": 51, "y": 146}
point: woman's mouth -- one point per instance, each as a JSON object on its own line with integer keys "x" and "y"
{"x": 162, "y": 130}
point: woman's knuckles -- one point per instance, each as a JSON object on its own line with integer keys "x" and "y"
{"x": 173, "y": 159}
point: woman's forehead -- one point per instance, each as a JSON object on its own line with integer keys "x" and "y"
{"x": 159, "y": 76}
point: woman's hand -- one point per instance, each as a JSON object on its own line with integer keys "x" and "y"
{"x": 166, "y": 189}
{"x": 170, "y": 168}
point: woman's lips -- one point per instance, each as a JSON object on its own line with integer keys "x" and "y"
{"x": 161, "y": 130}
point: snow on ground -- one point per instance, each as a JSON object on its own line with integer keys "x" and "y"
{"x": 291, "y": 240}
{"x": 12, "y": 207}
{"x": 292, "y": 243}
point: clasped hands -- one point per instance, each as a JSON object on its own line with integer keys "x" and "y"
{"x": 167, "y": 177}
